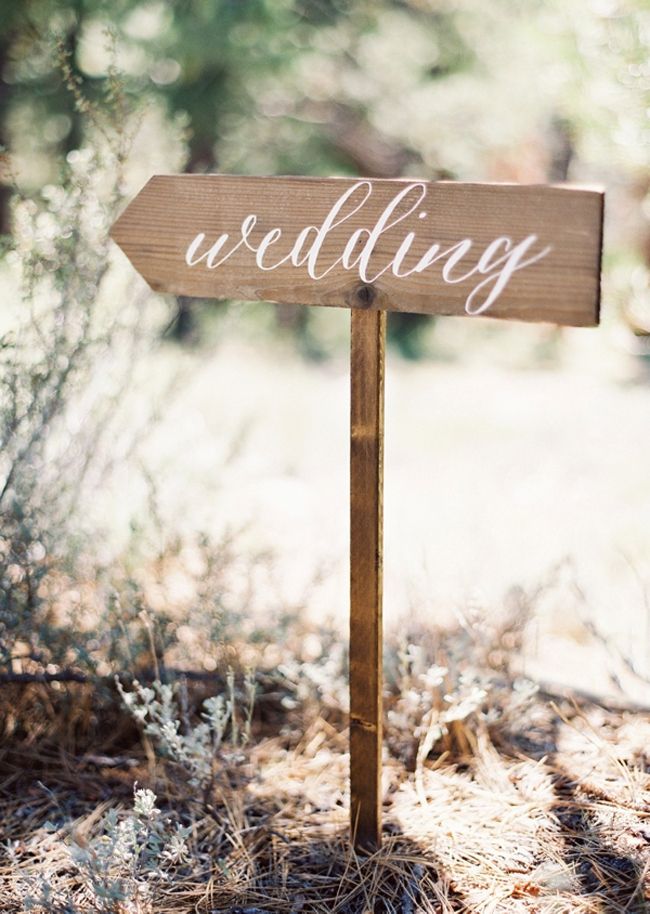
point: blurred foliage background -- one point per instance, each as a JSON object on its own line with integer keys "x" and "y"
{"x": 516, "y": 90}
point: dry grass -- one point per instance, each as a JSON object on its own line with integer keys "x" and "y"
{"x": 553, "y": 820}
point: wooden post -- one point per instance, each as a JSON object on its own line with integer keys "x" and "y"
{"x": 366, "y": 561}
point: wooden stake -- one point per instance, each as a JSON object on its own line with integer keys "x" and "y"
{"x": 366, "y": 566}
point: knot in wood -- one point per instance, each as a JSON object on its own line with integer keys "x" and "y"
{"x": 365, "y": 295}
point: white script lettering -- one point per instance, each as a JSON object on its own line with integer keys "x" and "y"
{"x": 496, "y": 265}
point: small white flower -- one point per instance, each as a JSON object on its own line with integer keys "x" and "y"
{"x": 145, "y": 804}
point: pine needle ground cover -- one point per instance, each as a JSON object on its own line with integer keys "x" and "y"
{"x": 500, "y": 794}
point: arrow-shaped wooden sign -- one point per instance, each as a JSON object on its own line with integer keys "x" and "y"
{"x": 528, "y": 253}
{"x": 525, "y": 252}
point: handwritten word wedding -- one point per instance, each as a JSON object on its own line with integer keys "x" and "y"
{"x": 497, "y": 262}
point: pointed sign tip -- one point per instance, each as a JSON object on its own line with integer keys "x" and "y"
{"x": 116, "y": 231}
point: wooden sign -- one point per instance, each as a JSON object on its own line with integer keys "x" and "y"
{"x": 526, "y": 252}
{"x": 500, "y": 250}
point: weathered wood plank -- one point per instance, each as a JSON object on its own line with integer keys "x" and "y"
{"x": 366, "y": 561}
{"x": 526, "y": 252}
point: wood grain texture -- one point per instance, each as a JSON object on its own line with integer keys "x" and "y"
{"x": 563, "y": 287}
{"x": 366, "y": 567}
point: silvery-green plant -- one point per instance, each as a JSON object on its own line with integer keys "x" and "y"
{"x": 119, "y": 867}
{"x": 68, "y": 347}
{"x": 448, "y": 705}
{"x": 225, "y": 722}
